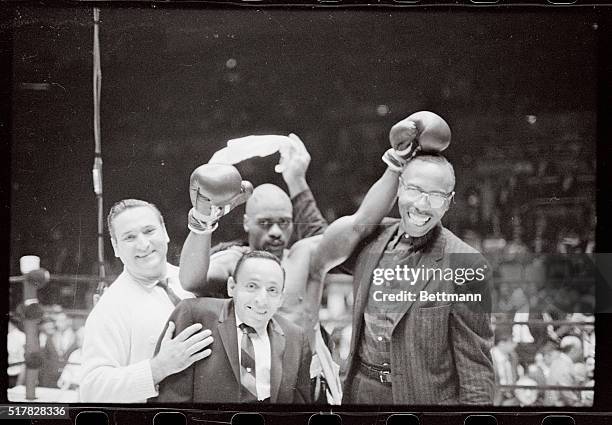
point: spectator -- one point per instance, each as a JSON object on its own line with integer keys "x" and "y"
{"x": 504, "y": 364}
{"x": 46, "y": 330}
{"x": 561, "y": 368}
{"x": 15, "y": 344}
{"x": 57, "y": 350}
{"x": 526, "y": 396}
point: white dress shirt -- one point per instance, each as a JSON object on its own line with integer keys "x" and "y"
{"x": 263, "y": 359}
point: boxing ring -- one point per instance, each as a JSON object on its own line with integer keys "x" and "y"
{"x": 337, "y": 287}
{"x": 34, "y": 279}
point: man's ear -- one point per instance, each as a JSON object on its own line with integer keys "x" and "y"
{"x": 166, "y": 237}
{"x": 245, "y": 223}
{"x": 114, "y": 243}
{"x": 231, "y": 284}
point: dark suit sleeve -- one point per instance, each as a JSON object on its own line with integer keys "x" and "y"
{"x": 307, "y": 219}
{"x": 472, "y": 339}
{"x": 303, "y": 390}
{"x": 177, "y": 388}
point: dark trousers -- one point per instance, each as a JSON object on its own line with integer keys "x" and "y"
{"x": 367, "y": 390}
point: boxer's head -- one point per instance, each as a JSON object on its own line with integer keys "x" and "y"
{"x": 269, "y": 219}
{"x": 425, "y": 192}
{"x": 139, "y": 238}
{"x": 257, "y": 288}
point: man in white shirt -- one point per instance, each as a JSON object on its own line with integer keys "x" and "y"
{"x": 122, "y": 329}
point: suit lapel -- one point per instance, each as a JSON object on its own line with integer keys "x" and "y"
{"x": 229, "y": 336}
{"x": 277, "y": 351}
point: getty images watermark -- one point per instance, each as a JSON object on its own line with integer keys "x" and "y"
{"x": 402, "y": 275}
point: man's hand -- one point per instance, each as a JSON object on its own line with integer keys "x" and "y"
{"x": 294, "y": 164}
{"x": 178, "y": 353}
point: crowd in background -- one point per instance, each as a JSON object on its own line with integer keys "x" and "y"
{"x": 535, "y": 281}
{"x": 60, "y": 339}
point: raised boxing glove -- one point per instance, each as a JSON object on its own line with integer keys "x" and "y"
{"x": 422, "y": 131}
{"x": 215, "y": 190}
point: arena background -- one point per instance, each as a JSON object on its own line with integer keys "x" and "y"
{"x": 518, "y": 90}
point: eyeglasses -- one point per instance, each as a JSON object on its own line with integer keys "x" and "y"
{"x": 266, "y": 223}
{"x": 435, "y": 200}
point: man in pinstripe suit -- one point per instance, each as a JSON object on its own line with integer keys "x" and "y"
{"x": 419, "y": 351}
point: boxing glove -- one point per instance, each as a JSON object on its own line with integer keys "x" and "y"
{"x": 421, "y": 131}
{"x": 215, "y": 190}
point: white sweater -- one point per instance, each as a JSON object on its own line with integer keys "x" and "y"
{"x": 121, "y": 333}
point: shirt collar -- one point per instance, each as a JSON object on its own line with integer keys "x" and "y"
{"x": 415, "y": 243}
{"x": 147, "y": 283}
{"x": 240, "y": 322}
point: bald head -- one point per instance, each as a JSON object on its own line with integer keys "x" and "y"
{"x": 265, "y": 196}
{"x": 269, "y": 219}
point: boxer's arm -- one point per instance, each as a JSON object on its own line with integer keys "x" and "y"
{"x": 194, "y": 263}
{"x": 215, "y": 190}
{"x": 308, "y": 220}
{"x": 344, "y": 234}
{"x": 202, "y": 273}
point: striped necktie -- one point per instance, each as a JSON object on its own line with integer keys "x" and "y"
{"x": 247, "y": 359}
{"x": 171, "y": 294}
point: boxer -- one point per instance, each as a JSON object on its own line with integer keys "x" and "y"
{"x": 302, "y": 300}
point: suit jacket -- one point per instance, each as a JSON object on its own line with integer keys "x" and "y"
{"x": 53, "y": 362}
{"x": 216, "y": 379}
{"x": 440, "y": 350}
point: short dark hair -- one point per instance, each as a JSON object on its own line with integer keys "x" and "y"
{"x": 436, "y": 158}
{"x": 258, "y": 254}
{"x": 126, "y": 204}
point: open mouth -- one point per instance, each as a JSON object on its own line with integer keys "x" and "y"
{"x": 417, "y": 219}
{"x": 261, "y": 313}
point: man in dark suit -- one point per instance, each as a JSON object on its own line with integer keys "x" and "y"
{"x": 257, "y": 357}
{"x": 412, "y": 350}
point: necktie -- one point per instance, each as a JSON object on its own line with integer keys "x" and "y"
{"x": 173, "y": 297}
{"x": 247, "y": 360}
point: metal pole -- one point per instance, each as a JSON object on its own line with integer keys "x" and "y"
{"x": 97, "y": 167}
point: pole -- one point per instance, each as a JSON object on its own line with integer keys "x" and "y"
{"x": 97, "y": 167}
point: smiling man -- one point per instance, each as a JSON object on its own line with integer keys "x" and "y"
{"x": 123, "y": 327}
{"x": 418, "y": 351}
{"x": 259, "y": 358}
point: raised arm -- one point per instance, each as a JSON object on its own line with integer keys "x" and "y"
{"x": 307, "y": 218}
{"x": 343, "y": 235}
{"x": 215, "y": 190}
